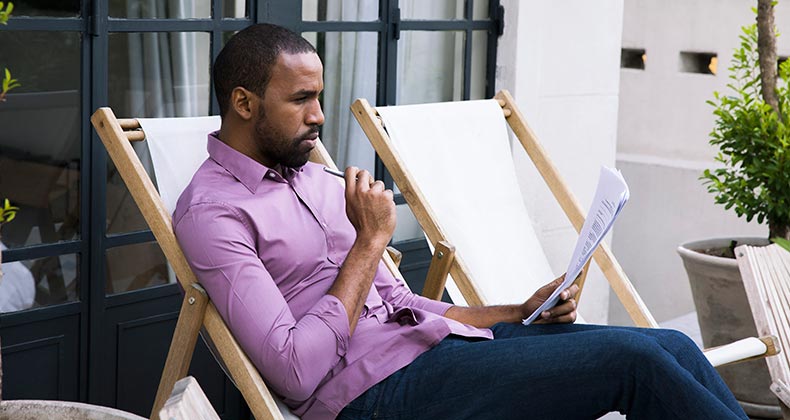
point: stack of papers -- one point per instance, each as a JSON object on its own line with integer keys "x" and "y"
{"x": 611, "y": 194}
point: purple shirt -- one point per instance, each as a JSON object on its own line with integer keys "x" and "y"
{"x": 267, "y": 249}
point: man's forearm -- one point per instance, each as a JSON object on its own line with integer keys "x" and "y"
{"x": 356, "y": 276}
{"x": 485, "y": 316}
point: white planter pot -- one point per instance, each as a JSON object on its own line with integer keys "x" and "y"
{"x": 59, "y": 410}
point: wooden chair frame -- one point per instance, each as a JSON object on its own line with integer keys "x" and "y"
{"x": 766, "y": 279}
{"x": 371, "y": 124}
{"x": 197, "y": 311}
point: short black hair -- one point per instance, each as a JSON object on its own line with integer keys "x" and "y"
{"x": 247, "y": 59}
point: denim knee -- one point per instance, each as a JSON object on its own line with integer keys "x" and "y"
{"x": 630, "y": 348}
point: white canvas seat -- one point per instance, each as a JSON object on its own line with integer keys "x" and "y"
{"x": 452, "y": 163}
{"x": 477, "y": 205}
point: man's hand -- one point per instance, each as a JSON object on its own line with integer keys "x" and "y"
{"x": 563, "y": 312}
{"x": 371, "y": 210}
{"x": 369, "y": 206}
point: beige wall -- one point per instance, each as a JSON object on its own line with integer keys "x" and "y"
{"x": 560, "y": 61}
{"x": 662, "y": 142}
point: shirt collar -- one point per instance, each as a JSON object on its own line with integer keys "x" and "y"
{"x": 248, "y": 171}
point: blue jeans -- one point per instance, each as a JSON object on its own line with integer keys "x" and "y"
{"x": 566, "y": 371}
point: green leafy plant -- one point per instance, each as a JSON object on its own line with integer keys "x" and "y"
{"x": 5, "y": 12}
{"x": 784, "y": 243}
{"x": 754, "y": 143}
{"x": 8, "y": 82}
{"x": 7, "y": 212}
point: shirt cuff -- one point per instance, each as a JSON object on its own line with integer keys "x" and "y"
{"x": 331, "y": 311}
{"x": 435, "y": 306}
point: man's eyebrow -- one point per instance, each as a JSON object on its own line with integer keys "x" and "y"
{"x": 305, "y": 92}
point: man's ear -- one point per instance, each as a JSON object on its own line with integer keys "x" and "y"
{"x": 241, "y": 101}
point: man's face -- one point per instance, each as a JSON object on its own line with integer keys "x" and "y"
{"x": 286, "y": 128}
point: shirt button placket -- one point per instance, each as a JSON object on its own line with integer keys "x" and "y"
{"x": 330, "y": 243}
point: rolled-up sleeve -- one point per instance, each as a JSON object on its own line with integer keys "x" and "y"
{"x": 293, "y": 355}
{"x": 395, "y": 291}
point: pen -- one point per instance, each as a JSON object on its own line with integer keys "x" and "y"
{"x": 340, "y": 174}
{"x": 334, "y": 172}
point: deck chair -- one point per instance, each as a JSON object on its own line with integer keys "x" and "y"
{"x": 766, "y": 277}
{"x": 178, "y": 147}
{"x": 188, "y": 402}
{"x": 452, "y": 163}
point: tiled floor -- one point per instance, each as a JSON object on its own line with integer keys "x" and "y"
{"x": 687, "y": 324}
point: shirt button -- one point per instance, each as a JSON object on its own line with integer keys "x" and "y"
{"x": 271, "y": 174}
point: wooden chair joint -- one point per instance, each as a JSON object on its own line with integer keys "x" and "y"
{"x": 442, "y": 260}
{"x": 772, "y": 345}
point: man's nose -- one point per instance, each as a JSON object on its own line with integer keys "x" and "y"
{"x": 315, "y": 116}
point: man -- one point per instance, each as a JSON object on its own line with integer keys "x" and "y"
{"x": 291, "y": 259}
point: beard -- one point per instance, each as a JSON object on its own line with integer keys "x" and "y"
{"x": 286, "y": 151}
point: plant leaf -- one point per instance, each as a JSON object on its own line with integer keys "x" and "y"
{"x": 784, "y": 243}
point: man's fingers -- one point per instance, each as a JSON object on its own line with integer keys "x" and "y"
{"x": 364, "y": 180}
{"x": 351, "y": 177}
{"x": 564, "y": 319}
{"x": 564, "y": 313}
{"x": 377, "y": 186}
{"x": 559, "y": 310}
{"x": 569, "y": 292}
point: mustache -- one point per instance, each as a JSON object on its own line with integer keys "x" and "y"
{"x": 311, "y": 131}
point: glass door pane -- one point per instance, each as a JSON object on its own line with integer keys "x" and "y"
{"x": 60, "y": 8}
{"x": 430, "y": 67}
{"x": 432, "y": 9}
{"x": 40, "y": 136}
{"x": 158, "y": 9}
{"x": 152, "y": 75}
{"x": 340, "y": 10}
{"x": 39, "y": 282}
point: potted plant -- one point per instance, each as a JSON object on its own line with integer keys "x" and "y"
{"x": 752, "y": 133}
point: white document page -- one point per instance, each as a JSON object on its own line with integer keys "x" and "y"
{"x": 611, "y": 195}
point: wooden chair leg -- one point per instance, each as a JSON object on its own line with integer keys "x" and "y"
{"x": 442, "y": 259}
{"x": 782, "y": 392}
{"x": 190, "y": 319}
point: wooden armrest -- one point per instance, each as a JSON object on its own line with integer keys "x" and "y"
{"x": 443, "y": 256}
{"x": 751, "y": 348}
{"x": 396, "y": 255}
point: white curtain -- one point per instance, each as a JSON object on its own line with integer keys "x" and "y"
{"x": 163, "y": 66}
{"x": 430, "y": 63}
{"x": 350, "y": 62}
